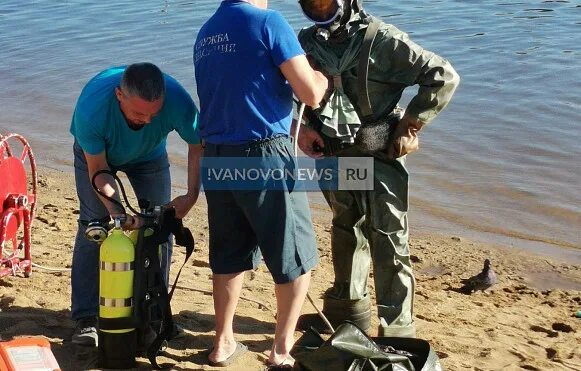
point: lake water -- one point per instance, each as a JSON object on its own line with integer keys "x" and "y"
{"x": 500, "y": 164}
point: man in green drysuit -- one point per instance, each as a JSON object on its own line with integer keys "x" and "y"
{"x": 361, "y": 118}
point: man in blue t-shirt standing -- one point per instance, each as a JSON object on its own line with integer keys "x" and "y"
{"x": 121, "y": 122}
{"x": 248, "y": 63}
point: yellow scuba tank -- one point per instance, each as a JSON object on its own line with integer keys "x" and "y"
{"x": 132, "y": 293}
{"x": 134, "y": 234}
{"x": 117, "y": 257}
{"x": 117, "y": 347}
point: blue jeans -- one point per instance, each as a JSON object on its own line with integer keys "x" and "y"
{"x": 150, "y": 180}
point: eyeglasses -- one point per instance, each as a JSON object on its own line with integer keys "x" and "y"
{"x": 322, "y": 11}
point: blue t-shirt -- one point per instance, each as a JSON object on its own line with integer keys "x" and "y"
{"x": 243, "y": 94}
{"x": 98, "y": 124}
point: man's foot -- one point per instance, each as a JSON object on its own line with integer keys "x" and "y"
{"x": 215, "y": 357}
{"x": 86, "y": 332}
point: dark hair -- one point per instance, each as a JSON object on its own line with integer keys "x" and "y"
{"x": 144, "y": 80}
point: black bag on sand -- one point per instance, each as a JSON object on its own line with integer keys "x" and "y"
{"x": 350, "y": 349}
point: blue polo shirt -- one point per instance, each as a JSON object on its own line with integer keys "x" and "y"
{"x": 98, "y": 124}
{"x": 243, "y": 94}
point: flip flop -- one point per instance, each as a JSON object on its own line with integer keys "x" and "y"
{"x": 278, "y": 367}
{"x": 240, "y": 350}
{"x": 281, "y": 366}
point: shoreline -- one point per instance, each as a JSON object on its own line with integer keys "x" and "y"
{"x": 525, "y": 321}
{"x": 438, "y": 224}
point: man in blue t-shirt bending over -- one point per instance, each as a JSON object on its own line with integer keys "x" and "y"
{"x": 121, "y": 122}
{"x": 248, "y": 63}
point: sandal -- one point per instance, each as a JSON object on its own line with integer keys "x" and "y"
{"x": 240, "y": 350}
{"x": 281, "y": 366}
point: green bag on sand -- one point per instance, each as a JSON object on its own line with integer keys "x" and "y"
{"x": 350, "y": 349}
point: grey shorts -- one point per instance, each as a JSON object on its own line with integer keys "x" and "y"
{"x": 246, "y": 225}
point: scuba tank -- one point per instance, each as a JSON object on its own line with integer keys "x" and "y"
{"x": 134, "y": 297}
{"x": 117, "y": 348}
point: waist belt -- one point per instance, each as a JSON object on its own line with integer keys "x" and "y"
{"x": 333, "y": 145}
{"x": 276, "y": 138}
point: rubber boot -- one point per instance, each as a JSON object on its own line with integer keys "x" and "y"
{"x": 397, "y": 331}
{"x": 337, "y": 311}
{"x": 356, "y": 311}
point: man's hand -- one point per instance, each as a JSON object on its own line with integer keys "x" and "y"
{"x": 405, "y": 138}
{"x": 310, "y": 142}
{"x": 131, "y": 221}
{"x": 183, "y": 204}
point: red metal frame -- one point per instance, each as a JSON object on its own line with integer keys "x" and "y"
{"x": 17, "y": 207}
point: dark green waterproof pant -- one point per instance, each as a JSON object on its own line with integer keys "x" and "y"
{"x": 372, "y": 227}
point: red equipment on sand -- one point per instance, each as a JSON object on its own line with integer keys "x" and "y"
{"x": 27, "y": 354}
{"x": 17, "y": 205}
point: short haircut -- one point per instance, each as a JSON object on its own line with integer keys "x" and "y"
{"x": 144, "y": 80}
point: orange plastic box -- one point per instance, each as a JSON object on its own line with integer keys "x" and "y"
{"x": 27, "y": 353}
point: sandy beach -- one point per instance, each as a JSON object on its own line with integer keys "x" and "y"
{"x": 526, "y": 321}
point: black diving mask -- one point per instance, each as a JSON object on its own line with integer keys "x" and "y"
{"x": 322, "y": 12}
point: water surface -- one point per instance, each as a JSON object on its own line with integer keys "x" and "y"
{"x": 501, "y": 163}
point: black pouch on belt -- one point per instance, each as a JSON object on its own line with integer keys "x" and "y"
{"x": 375, "y": 136}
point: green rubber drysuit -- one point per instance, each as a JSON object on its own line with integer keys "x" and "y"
{"x": 372, "y": 226}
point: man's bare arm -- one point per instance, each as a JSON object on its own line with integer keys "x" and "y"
{"x": 107, "y": 185}
{"x": 309, "y": 85}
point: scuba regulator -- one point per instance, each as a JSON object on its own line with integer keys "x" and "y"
{"x": 96, "y": 231}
